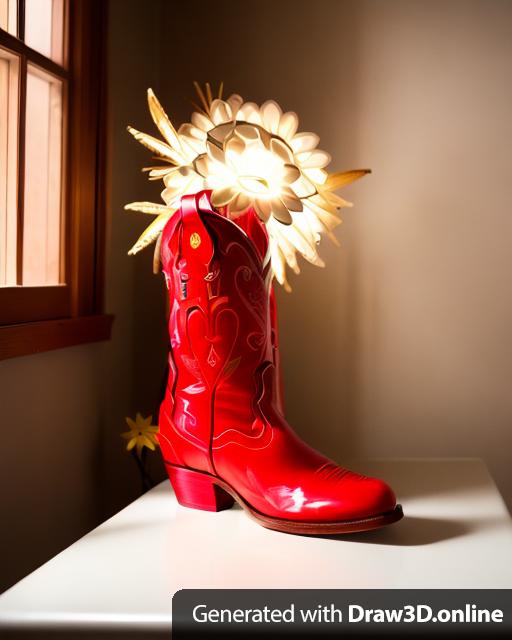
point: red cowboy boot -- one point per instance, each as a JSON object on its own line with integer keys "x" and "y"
{"x": 223, "y": 435}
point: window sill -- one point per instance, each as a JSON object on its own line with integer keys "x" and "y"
{"x": 35, "y": 337}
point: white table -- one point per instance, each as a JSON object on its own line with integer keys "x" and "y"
{"x": 456, "y": 533}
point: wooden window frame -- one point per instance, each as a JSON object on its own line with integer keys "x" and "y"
{"x": 37, "y": 319}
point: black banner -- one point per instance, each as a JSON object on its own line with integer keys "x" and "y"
{"x": 317, "y": 613}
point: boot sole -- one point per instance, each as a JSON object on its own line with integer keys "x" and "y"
{"x": 200, "y": 490}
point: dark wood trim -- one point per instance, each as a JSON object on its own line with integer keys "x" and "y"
{"x": 24, "y": 304}
{"x": 86, "y": 155}
{"x": 69, "y": 309}
{"x": 21, "y": 19}
{"x": 38, "y": 59}
{"x": 22, "y": 109}
{"x": 101, "y": 169}
{"x": 36, "y": 337}
{"x": 66, "y": 39}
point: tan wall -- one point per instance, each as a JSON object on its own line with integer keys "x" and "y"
{"x": 137, "y": 355}
{"x": 63, "y": 469}
{"x": 50, "y": 467}
{"x": 401, "y": 346}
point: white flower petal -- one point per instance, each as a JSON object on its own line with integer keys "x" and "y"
{"x": 281, "y": 150}
{"x": 302, "y": 227}
{"x": 304, "y": 142}
{"x": 278, "y": 265}
{"x": 247, "y": 131}
{"x": 249, "y": 112}
{"x": 172, "y": 193}
{"x": 271, "y": 115}
{"x": 201, "y": 164}
{"x": 288, "y": 250}
{"x": 200, "y": 121}
{"x": 320, "y": 200}
{"x": 319, "y": 227}
{"x": 217, "y": 182}
{"x": 235, "y": 102}
{"x": 318, "y": 176}
{"x": 253, "y": 185}
{"x": 239, "y": 204}
{"x": 330, "y": 220}
{"x": 222, "y": 197}
{"x": 214, "y": 152}
{"x": 263, "y": 209}
{"x": 290, "y": 173}
{"x": 190, "y": 131}
{"x": 235, "y": 145}
{"x": 174, "y": 179}
{"x": 305, "y": 246}
{"x": 280, "y": 211}
{"x": 317, "y": 159}
{"x": 334, "y": 199}
{"x": 288, "y": 125}
{"x": 303, "y": 187}
{"x": 316, "y": 226}
{"x": 189, "y": 151}
{"x": 220, "y": 112}
{"x": 194, "y": 138}
{"x": 290, "y": 200}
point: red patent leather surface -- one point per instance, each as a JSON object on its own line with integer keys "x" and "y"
{"x": 223, "y": 411}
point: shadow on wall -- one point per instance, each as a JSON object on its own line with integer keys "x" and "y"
{"x": 291, "y": 68}
{"x": 401, "y": 345}
{"x": 136, "y": 359}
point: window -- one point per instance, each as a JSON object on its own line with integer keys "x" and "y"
{"x": 51, "y": 172}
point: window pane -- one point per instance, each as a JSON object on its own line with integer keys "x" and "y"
{"x": 44, "y": 27}
{"x": 9, "y": 16}
{"x": 9, "y": 80}
{"x": 42, "y": 228}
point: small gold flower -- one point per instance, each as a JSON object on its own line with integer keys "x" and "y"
{"x": 141, "y": 434}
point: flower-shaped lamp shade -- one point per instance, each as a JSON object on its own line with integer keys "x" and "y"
{"x": 250, "y": 157}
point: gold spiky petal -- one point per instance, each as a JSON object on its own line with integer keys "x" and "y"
{"x": 314, "y": 215}
{"x": 161, "y": 119}
{"x": 155, "y": 145}
{"x": 149, "y": 207}
{"x": 151, "y": 233}
{"x": 341, "y": 179}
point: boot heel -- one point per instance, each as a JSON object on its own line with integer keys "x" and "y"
{"x": 197, "y": 490}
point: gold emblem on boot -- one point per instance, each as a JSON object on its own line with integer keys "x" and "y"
{"x": 195, "y": 240}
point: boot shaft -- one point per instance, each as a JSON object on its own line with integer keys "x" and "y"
{"x": 222, "y": 382}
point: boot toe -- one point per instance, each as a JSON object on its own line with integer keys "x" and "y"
{"x": 373, "y": 497}
{"x": 357, "y": 498}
